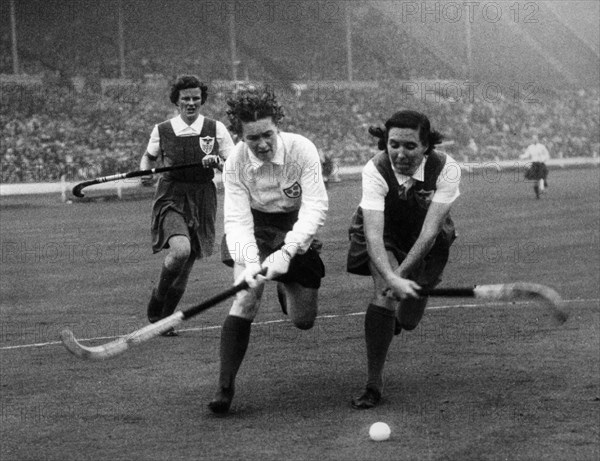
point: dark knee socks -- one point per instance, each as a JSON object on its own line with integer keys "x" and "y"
{"x": 167, "y": 277}
{"x": 379, "y": 332}
{"x": 171, "y": 301}
{"x": 235, "y": 337}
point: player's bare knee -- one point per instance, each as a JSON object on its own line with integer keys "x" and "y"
{"x": 247, "y": 312}
{"x": 245, "y": 305}
{"x": 179, "y": 250}
{"x": 384, "y": 302}
{"x": 177, "y": 258}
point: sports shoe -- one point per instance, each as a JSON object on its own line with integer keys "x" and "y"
{"x": 222, "y": 401}
{"x": 369, "y": 399}
{"x": 155, "y": 308}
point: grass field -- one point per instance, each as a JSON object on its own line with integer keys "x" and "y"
{"x": 475, "y": 381}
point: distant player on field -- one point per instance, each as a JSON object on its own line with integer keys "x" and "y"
{"x": 401, "y": 233}
{"x": 538, "y": 171}
{"x": 185, "y": 202}
{"x": 275, "y": 202}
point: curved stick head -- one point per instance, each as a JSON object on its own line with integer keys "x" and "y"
{"x": 544, "y": 294}
{"x": 92, "y": 353}
{"x": 77, "y": 190}
{"x": 526, "y": 291}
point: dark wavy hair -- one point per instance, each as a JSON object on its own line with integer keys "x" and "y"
{"x": 251, "y": 104}
{"x": 407, "y": 119}
{"x": 185, "y": 82}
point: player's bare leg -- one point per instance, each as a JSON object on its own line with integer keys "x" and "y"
{"x": 281, "y": 296}
{"x": 302, "y": 304}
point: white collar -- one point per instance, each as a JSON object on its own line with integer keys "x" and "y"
{"x": 179, "y": 126}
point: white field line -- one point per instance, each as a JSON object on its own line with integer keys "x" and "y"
{"x": 330, "y": 316}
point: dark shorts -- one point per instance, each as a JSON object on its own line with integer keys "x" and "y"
{"x": 427, "y": 274}
{"x": 270, "y": 229}
{"x": 536, "y": 171}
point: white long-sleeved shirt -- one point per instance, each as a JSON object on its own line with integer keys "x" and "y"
{"x": 375, "y": 187}
{"x": 291, "y": 181}
{"x": 536, "y": 153}
{"x": 181, "y": 128}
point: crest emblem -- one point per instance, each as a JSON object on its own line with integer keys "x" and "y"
{"x": 206, "y": 144}
{"x": 294, "y": 191}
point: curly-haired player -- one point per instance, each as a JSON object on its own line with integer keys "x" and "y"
{"x": 185, "y": 202}
{"x": 401, "y": 233}
{"x": 275, "y": 202}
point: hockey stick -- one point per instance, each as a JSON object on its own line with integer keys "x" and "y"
{"x": 77, "y": 190}
{"x": 120, "y": 345}
{"x": 506, "y": 292}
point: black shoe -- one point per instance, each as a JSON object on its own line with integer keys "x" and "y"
{"x": 369, "y": 399}
{"x": 281, "y": 298}
{"x": 222, "y": 401}
{"x": 170, "y": 333}
{"x": 155, "y": 308}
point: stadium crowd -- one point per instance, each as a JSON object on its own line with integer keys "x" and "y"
{"x": 57, "y": 127}
{"x": 49, "y": 131}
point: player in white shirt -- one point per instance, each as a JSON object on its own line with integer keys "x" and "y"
{"x": 275, "y": 202}
{"x": 401, "y": 233}
{"x": 185, "y": 202}
{"x": 538, "y": 171}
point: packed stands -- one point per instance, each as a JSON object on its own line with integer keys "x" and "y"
{"x": 69, "y": 113}
{"x": 50, "y": 130}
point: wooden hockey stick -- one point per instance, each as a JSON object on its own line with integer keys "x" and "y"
{"x": 506, "y": 292}
{"x": 120, "y": 345}
{"x": 77, "y": 190}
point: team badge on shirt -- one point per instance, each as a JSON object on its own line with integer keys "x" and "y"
{"x": 206, "y": 144}
{"x": 294, "y": 191}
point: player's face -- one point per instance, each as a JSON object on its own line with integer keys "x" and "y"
{"x": 261, "y": 138}
{"x": 405, "y": 150}
{"x": 189, "y": 103}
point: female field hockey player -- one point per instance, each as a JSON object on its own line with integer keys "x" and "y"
{"x": 185, "y": 202}
{"x": 275, "y": 202}
{"x": 538, "y": 171}
{"x": 401, "y": 233}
